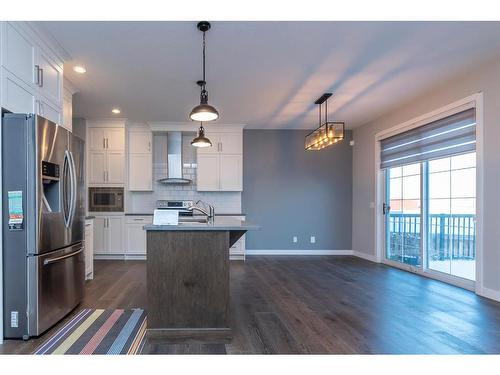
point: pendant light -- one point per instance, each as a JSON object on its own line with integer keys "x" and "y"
{"x": 326, "y": 134}
{"x": 201, "y": 140}
{"x": 204, "y": 111}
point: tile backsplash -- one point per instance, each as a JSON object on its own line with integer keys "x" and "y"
{"x": 145, "y": 202}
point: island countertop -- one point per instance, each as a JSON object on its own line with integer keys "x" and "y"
{"x": 219, "y": 223}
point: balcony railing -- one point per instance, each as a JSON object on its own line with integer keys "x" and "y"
{"x": 449, "y": 237}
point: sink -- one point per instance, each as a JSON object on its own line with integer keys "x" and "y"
{"x": 193, "y": 221}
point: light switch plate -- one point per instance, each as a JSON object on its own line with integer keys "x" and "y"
{"x": 294, "y": 239}
{"x": 313, "y": 239}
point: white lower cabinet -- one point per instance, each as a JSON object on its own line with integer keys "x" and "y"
{"x": 237, "y": 251}
{"x": 108, "y": 235}
{"x": 89, "y": 249}
{"x": 135, "y": 235}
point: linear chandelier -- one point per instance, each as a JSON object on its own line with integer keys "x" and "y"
{"x": 326, "y": 134}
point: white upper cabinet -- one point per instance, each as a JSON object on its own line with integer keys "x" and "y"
{"x": 140, "y": 142}
{"x": 67, "y": 114}
{"x": 97, "y": 167}
{"x": 115, "y": 139}
{"x": 48, "y": 110}
{"x": 140, "y": 161}
{"x": 231, "y": 172}
{"x": 231, "y": 143}
{"x": 227, "y": 143}
{"x": 67, "y": 117}
{"x": 18, "y": 53}
{"x": 208, "y": 172}
{"x": 32, "y": 75}
{"x": 107, "y": 139}
{"x": 115, "y": 169}
{"x": 17, "y": 96}
{"x": 48, "y": 77}
{"x": 106, "y": 152}
{"x": 220, "y": 167}
{"x": 96, "y": 139}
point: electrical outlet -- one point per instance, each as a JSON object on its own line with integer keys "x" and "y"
{"x": 14, "y": 319}
{"x": 313, "y": 239}
{"x": 294, "y": 239}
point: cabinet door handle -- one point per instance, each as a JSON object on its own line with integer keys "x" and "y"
{"x": 107, "y": 142}
{"x": 104, "y": 143}
{"x": 149, "y": 146}
{"x": 107, "y": 176}
{"x": 41, "y": 77}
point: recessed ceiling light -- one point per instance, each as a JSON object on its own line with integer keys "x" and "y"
{"x": 79, "y": 69}
{"x": 116, "y": 111}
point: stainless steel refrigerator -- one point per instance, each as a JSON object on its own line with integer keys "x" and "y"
{"x": 43, "y": 223}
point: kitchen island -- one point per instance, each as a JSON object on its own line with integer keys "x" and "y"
{"x": 188, "y": 279}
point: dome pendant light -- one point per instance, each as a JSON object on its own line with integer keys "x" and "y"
{"x": 201, "y": 140}
{"x": 204, "y": 111}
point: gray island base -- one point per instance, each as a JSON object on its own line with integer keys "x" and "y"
{"x": 188, "y": 280}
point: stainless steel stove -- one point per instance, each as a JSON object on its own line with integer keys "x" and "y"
{"x": 181, "y": 206}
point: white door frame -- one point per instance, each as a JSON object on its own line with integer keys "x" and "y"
{"x": 476, "y": 101}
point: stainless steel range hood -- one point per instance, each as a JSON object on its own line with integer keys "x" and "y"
{"x": 174, "y": 160}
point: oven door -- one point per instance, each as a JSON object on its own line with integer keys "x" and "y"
{"x": 56, "y": 285}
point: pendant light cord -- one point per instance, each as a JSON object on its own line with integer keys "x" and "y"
{"x": 204, "y": 80}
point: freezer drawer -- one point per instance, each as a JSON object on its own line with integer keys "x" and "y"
{"x": 56, "y": 285}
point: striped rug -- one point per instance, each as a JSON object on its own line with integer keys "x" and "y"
{"x": 99, "y": 331}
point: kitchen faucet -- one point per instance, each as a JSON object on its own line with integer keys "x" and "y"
{"x": 209, "y": 214}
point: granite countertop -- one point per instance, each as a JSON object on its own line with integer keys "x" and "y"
{"x": 219, "y": 223}
{"x": 151, "y": 214}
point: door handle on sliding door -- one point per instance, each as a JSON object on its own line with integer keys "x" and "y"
{"x": 386, "y": 209}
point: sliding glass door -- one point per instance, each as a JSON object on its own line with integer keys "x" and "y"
{"x": 451, "y": 217}
{"x": 403, "y": 214}
{"x": 430, "y": 214}
{"x": 430, "y": 196}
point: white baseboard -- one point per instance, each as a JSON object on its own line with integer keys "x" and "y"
{"x": 120, "y": 256}
{"x": 298, "y": 252}
{"x": 360, "y": 254}
{"x": 109, "y": 257}
{"x": 490, "y": 293}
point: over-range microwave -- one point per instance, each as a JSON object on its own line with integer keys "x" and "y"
{"x": 105, "y": 199}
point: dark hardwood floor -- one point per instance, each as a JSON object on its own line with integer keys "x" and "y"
{"x": 341, "y": 305}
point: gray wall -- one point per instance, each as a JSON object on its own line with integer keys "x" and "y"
{"x": 291, "y": 192}
{"x": 484, "y": 78}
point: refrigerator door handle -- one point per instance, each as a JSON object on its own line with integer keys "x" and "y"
{"x": 65, "y": 204}
{"x": 71, "y": 199}
{"x": 72, "y": 174}
{"x": 53, "y": 260}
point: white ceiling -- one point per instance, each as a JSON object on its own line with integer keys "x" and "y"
{"x": 266, "y": 74}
